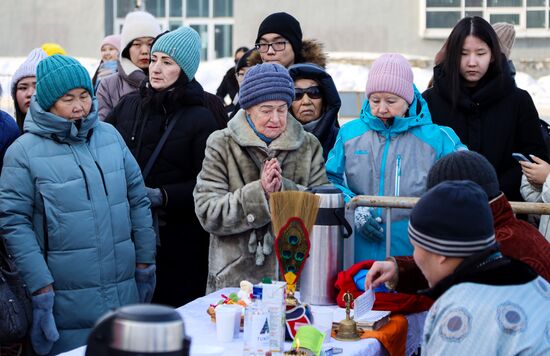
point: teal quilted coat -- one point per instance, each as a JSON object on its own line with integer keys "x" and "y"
{"x": 82, "y": 191}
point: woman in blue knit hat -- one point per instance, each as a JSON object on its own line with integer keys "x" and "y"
{"x": 169, "y": 115}
{"x": 74, "y": 213}
{"x": 262, "y": 150}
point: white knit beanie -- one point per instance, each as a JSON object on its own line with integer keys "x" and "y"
{"x": 27, "y": 68}
{"x": 138, "y": 24}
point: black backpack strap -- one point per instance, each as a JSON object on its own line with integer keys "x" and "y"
{"x": 160, "y": 144}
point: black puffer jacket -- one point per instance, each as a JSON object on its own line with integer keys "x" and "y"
{"x": 141, "y": 118}
{"x": 327, "y": 128}
{"x": 495, "y": 119}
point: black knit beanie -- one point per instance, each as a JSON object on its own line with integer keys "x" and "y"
{"x": 465, "y": 165}
{"x": 285, "y": 25}
{"x": 453, "y": 219}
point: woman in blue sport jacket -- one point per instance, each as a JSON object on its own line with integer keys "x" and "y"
{"x": 387, "y": 151}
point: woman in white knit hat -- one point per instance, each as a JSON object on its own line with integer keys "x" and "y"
{"x": 138, "y": 32}
{"x": 23, "y": 84}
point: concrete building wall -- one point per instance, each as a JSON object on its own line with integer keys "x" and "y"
{"x": 370, "y": 26}
{"x": 343, "y": 26}
{"x": 77, "y": 25}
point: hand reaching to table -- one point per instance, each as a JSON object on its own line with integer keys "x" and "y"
{"x": 381, "y": 272}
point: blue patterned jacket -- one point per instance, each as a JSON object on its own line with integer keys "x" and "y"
{"x": 490, "y": 306}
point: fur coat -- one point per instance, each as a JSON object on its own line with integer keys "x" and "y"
{"x": 230, "y": 202}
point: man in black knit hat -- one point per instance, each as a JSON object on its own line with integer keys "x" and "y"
{"x": 280, "y": 39}
{"x": 487, "y": 303}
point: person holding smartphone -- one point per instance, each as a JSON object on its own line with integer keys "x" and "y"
{"x": 475, "y": 94}
{"x": 535, "y": 187}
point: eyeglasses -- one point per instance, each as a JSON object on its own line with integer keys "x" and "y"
{"x": 312, "y": 93}
{"x": 277, "y": 46}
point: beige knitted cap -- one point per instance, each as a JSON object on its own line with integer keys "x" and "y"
{"x": 506, "y": 34}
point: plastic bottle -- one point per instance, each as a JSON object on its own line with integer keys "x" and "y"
{"x": 256, "y": 326}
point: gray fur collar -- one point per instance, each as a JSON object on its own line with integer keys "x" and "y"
{"x": 291, "y": 139}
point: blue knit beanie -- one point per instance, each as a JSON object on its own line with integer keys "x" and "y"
{"x": 183, "y": 46}
{"x": 453, "y": 219}
{"x": 265, "y": 82}
{"x": 58, "y": 74}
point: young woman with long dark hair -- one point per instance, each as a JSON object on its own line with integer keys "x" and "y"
{"x": 474, "y": 93}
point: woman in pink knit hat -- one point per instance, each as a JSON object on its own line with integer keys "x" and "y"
{"x": 387, "y": 151}
{"x": 110, "y": 51}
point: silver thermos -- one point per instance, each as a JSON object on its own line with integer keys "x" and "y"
{"x": 326, "y": 251}
{"x": 140, "y": 329}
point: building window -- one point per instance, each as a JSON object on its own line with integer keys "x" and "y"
{"x": 530, "y": 17}
{"x": 212, "y": 19}
{"x": 223, "y": 8}
{"x": 197, "y": 8}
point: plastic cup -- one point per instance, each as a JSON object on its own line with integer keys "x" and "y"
{"x": 225, "y": 323}
{"x": 238, "y": 315}
{"x": 322, "y": 320}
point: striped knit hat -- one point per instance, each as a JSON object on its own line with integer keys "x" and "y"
{"x": 391, "y": 73}
{"x": 58, "y": 74}
{"x": 183, "y": 46}
{"x": 453, "y": 219}
{"x": 265, "y": 82}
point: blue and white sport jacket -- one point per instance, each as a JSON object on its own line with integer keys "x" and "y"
{"x": 369, "y": 158}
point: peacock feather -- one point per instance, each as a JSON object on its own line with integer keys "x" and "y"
{"x": 292, "y": 249}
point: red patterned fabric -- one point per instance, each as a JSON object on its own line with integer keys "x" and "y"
{"x": 394, "y": 302}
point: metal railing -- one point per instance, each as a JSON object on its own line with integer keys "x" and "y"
{"x": 390, "y": 203}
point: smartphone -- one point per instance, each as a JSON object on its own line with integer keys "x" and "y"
{"x": 520, "y": 157}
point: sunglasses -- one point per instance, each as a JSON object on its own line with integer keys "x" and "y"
{"x": 312, "y": 93}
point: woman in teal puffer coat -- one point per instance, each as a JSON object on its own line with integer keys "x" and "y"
{"x": 74, "y": 211}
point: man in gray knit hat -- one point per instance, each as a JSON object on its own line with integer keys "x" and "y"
{"x": 262, "y": 150}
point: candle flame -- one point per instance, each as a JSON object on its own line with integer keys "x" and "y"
{"x": 297, "y": 344}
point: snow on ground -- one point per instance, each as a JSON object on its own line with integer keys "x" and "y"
{"x": 347, "y": 77}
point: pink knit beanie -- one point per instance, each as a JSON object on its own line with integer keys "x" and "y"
{"x": 113, "y": 40}
{"x": 391, "y": 73}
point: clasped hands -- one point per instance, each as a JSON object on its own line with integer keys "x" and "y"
{"x": 271, "y": 176}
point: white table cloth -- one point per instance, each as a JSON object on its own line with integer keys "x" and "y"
{"x": 202, "y": 331}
